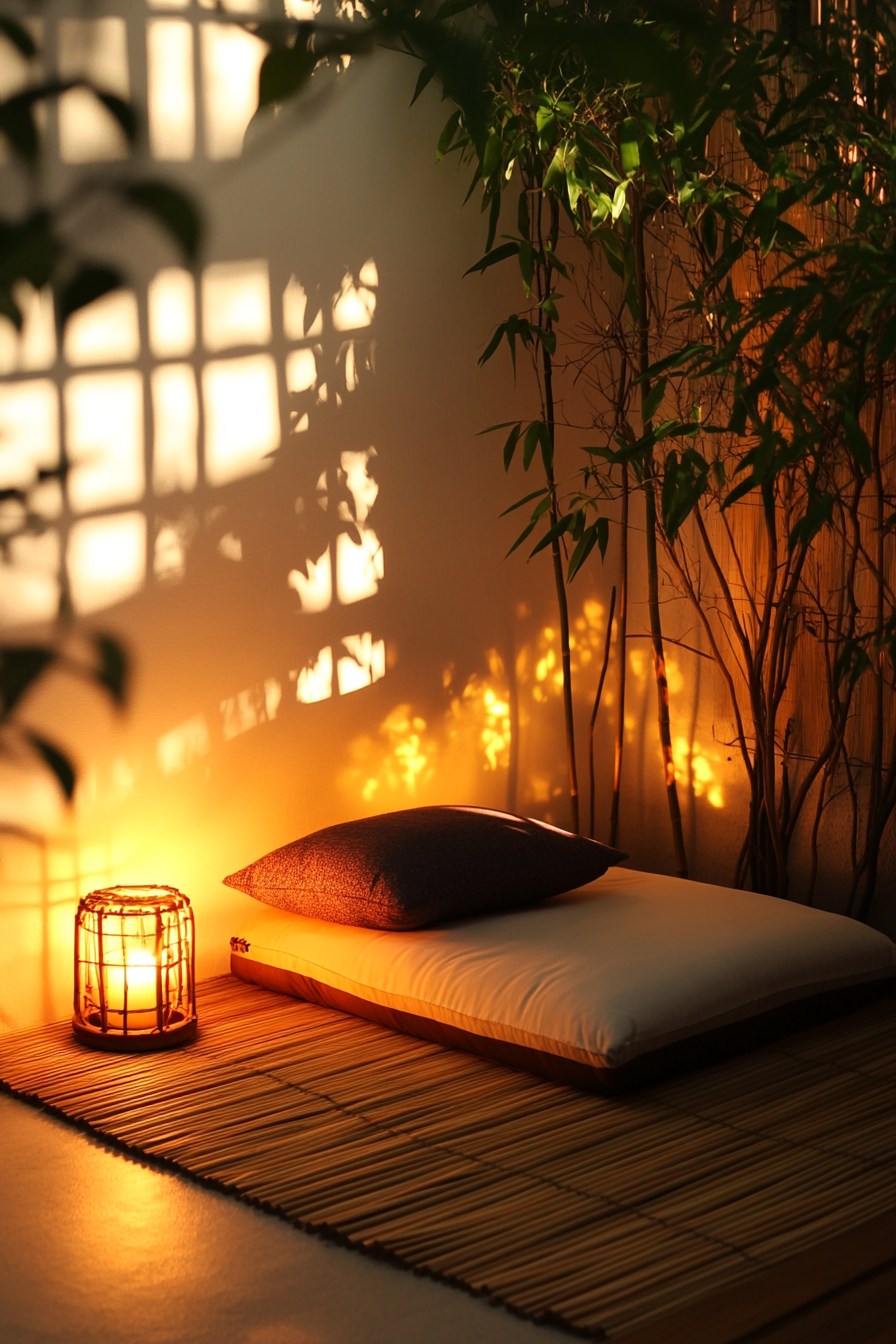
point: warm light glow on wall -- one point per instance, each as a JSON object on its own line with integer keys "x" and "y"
{"x": 301, "y": 370}
{"x": 29, "y": 430}
{"x": 241, "y": 416}
{"x": 696, "y": 767}
{"x": 104, "y": 430}
{"x": 169, "y": 561}
{"x": 295, "y": 305}
{"x": 29, "y": 581}
{"x": 359, "y": 569}
{"x": 106, "y": 560}
{"x": 105, "y": 332}
{"x": 175, "y": 408}
{"x": 231, "y": 59}
{"x": 316, "y": 589}
{"x": 97, "y": 50}
{"x": 249, "y": 708}
{"x": 236, "y": 305}
{"x": 183, "y": 745}
{"x": 405, "y": 762}
{"x": 365, "y": 664}
{"x": 315, "y": 682}
{"x": 170, "y": 98}
{"x": 172, "y": 313}
{"x": 353, "y": 306}
{"x": 34, "y": 347}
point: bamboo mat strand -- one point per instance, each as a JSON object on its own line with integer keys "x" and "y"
{"x": 597, "y": 1214}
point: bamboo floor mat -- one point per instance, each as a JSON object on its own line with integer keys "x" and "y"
{"x": 596, "y": 1214}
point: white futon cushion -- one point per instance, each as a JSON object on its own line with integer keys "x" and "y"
{"x": 630, "y": 963}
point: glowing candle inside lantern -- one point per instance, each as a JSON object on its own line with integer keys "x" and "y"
{"x": 137, "y": 974}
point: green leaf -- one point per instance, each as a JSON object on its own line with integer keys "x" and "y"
{"x": 549, "y": 306}
{"x": 619, "y": 201}
{"x": 173, "y": 209}
{"x": 742, "y": 488}
{"x": 491, "y": 156}
{"x": 423, "y": 79}
{"x": 629, "y": 154}
{"x": 495, "y": 340}
{"x": 597, "y": 534}
{"x": 513, "y": 439}
{"x": 852, "y": 663}
{"x": 765, "y": 219}
{"x": 817, "y": 515}
{"x": 674, "y": 361}
{"x": 88, "y": 283}
{"x": 493, "y": 216}
{"x": 492, "y": 258}
{"x": 653, "y": 400}
{"x": 553, "y": 534}
{"x": 59, "y": 763}
{"x": 449, "y": 131}
{"x": 684, "y": 482}
{"x": 531, "y": 442}
{"x": 526, "y": 532}
{"x": 490, "y": 429}
{"x": 858, "y": 443}
{"x": 527, "y": 499}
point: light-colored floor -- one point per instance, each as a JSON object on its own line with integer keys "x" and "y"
{"x": 96, "y": 1248}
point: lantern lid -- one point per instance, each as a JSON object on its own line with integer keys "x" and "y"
{"x": 132, "y": 900}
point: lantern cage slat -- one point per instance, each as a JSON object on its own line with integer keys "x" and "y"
{"x": 135, "y": 969}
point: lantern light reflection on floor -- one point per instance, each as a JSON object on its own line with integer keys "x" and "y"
{"x": 134, "y": 969}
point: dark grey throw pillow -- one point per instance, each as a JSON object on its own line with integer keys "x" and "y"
{"x": 403, "y": 870}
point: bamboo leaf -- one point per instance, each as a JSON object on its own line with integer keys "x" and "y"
{"x": 423, "y": 79}
{"x": 858, "y": 443}
{"x": 492, "y": 258}
{"x": 629, "y": 154}
{"x": 653, "y": 400}
{"x": 510, "y": 445}
{"x": 526, "y": 532}
{"x": 527, "y": 499}
{"x": 817, "y": 515}
{"x": 531, "y": 442}
{"x": 449, "y": 131}
{"x": 553, "y": 534}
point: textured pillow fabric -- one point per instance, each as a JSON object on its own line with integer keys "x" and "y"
{"x": 404, "y": 870}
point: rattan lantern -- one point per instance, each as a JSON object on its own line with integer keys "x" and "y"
{"x": 134, "y": 969}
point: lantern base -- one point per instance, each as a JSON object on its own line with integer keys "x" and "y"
{"x": 90, "y": 1032}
